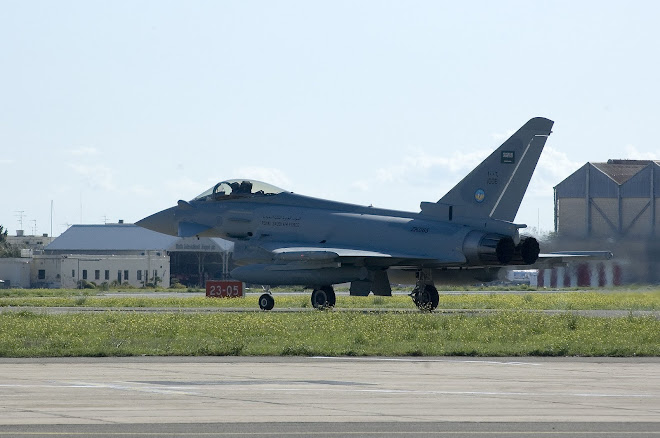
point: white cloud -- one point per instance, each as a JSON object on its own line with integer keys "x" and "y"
{"x": 633, "y": 154}
{"x": 96, "y": 176}
{"x": 420, "y": 176}
{"x": 418, "y": 165}
{"x": 553, "y": 167}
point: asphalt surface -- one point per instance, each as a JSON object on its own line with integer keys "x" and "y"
{"x": 287, "y": 397}
{"x": 334, "y": 430}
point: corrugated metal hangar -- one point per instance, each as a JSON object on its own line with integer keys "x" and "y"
{"x": 613, "y": 206}
{"x": 614, "y": 199}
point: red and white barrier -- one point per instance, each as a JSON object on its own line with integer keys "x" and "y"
{"x": 593, "y": 274}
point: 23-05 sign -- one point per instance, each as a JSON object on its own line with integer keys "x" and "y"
{"x": 224, "y": 289}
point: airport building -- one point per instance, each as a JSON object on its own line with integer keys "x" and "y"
{"x": 611, "y": 206}
{"x": 29, "y": 244}
{"x": 617, "y": 199}
{"x": 120, "y": 254}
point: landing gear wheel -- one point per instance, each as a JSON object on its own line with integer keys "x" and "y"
{"x": 323, "y": 298}
{"x": 426, "y": 298}
{"x": 330, "y": 292}
{"x": 266, "y": 302}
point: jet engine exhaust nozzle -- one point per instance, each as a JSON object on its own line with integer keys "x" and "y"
{"x": 527, "y": 251}
{"x": 488, "y": 249}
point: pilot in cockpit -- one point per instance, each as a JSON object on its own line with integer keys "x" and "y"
{"x": 245, "y": 187}
{"x": 237, "y": 188}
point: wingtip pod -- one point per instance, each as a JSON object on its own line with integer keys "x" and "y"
{"x": 495, "y": 188}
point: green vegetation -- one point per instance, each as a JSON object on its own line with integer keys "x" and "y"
{"x": 6, "y": 250}
{"x": 579, "y": 300}
{"x": 505, "y": 333}
{"x": 513, "y": 329}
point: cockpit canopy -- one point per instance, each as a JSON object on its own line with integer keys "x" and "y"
{"x": 238, "y": 188}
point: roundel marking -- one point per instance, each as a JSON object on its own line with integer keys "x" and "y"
{"x": 479, "y": 195}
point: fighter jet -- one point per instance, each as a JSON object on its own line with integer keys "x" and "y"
{"x": 282, "y": 238}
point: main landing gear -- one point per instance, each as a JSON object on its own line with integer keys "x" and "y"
{"x": 425, "y": 295}
{"x": 323, "y": 297}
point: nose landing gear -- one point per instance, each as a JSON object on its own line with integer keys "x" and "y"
{"x": 425, "y": 295}
{"x": 266, "y": 302}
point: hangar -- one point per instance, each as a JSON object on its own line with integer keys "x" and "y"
{"x": 613, "y": 206}
{"x": 128, "y": 254}
{"x": 614, "y": 199}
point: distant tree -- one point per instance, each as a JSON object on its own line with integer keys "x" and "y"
{"x": 6, "y": 250}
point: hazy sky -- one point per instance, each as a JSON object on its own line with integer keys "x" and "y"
{"x": 115, "y": 110}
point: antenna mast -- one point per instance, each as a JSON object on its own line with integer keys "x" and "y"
{"x": 19, "y": 214}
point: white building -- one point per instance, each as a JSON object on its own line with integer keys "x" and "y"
{"x": 15, "y": 272}
{"x": 70, "y": 270}
{"x": 34, "y": 243}
{"x": 125, "y": 253}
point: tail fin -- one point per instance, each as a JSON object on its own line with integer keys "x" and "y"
{"x": 495, "y": 188}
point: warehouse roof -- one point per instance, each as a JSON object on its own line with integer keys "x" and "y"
{"x": 125, "y": 237}
{"x": 621, "y": 171}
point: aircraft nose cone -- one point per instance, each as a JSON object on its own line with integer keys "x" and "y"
{"x": 161, "y": 222}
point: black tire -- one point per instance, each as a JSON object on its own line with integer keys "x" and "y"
{"x": 331, "y": 297}
{"x": 320, "y": 299}
{"x": 427, "y": 299}
{"x": 266, "y": 302}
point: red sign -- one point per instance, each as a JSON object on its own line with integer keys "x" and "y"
{"x": 224, "y": 289}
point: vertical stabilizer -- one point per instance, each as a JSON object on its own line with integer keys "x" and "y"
{"x": 495, "y": 188}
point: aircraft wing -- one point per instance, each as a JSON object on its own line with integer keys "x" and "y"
{"x": 288, "y": 252}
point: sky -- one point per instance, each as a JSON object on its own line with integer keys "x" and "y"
{"x": 116, "y": 110}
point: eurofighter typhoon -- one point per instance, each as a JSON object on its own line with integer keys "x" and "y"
{"x": 282, "y": 238}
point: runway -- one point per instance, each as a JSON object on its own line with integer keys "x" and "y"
{"x": 315, "y": 396}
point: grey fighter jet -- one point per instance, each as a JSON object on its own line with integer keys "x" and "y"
{"x": 282, "y": 238}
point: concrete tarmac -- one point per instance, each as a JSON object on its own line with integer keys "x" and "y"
{"x": 225, "y": 396}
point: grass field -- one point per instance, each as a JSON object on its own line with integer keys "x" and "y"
{"x": 577, "y": 300}
{"x": 511, "y": 331}
{"x": 325, "y": 333}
